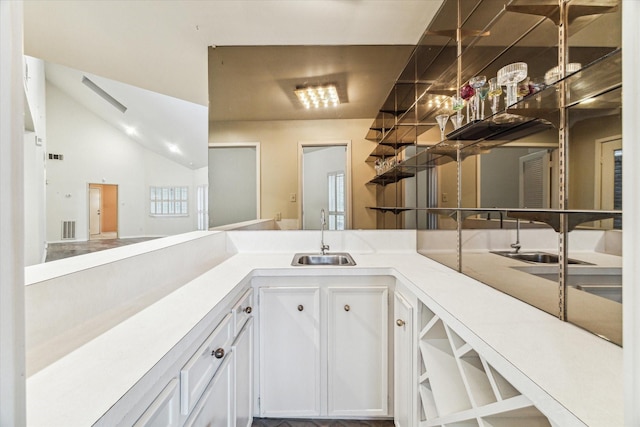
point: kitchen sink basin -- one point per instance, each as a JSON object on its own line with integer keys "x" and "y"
{"x": 537, "y": 257}
{"x": 343, "y": 259}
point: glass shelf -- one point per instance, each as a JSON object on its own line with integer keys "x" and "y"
{"x": 534, "y": 113}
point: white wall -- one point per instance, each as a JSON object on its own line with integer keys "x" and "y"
{"x": 96, "y": 152}
{"x": 631, "y": 207}
{"x": 12, "y": 384}
{"x": 34, "y": 164}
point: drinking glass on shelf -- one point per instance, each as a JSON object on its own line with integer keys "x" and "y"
{"x": 495, "y": 90}
{"x": 442, "y": 122}
{"x": 457, "y": 103}
{"x": 509, "y": 76}
{"x": 456, "y": 119}
{"x": 482, "y": 92}
{"x": 476, "y": 83}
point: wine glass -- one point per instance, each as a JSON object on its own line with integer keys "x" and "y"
{"x": 456, "y": 119}
{"x": 509, "y": 76}
{"x": 495, "y": 90}
{"x": 482, "y": 92}
{"x": 457, "y": 103}
{"x": 442, "y": 122}
{"x": 476, "y": 83}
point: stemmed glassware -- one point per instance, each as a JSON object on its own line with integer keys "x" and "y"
{"x": 495, "y": 90}
{"x": 476, "y": 83}
{"x": 456, "y": 119}
{"x": 482, "y": 92}
{"x": 509, "y": 76}
{"x": 457, "y": 104}
{"x": 442, "y": 122}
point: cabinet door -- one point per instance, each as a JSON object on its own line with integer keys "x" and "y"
{"x": 198, "y": 371}
{"x": 214, "y": 407}
{"x": 164, "y": 410}
{"x": 403, "y": 362}
{"x": 357, "y": 352}
{"x": 242, "y": 351}
{"x": 289, "y": 352}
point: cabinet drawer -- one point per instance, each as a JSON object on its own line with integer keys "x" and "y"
{"x": 199, "y": 370}
{"x": 242, "y": 311}
{"x": 214, "y": 408}
{"x": 164, "y": 409}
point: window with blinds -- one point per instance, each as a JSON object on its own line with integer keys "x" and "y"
{"x": 336, "y": 218}
{"x": 169, "y": 201}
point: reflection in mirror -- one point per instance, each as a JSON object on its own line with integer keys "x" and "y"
{"x": 102, "y": 133}
{"x": 595, "y": 144}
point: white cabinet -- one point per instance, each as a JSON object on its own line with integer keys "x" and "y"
{"x": 214, "y": 407}
{"x": 357, "y": 352}
{"x": 324, "y": 351}
{"x": 163, "y": 412}
{"x": 404, "y": 362}
{"x": 289, "y": 352}
{"x": 216, "y": 382}
{"x": 457, "y": 386}
{"x": 198, "y": 371}
{"x": 242, "y": 352}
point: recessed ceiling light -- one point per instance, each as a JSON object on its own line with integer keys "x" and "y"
{"x": 130, "y": 130}
{"x": 318, "y": 96}
{"x": 174, "y": 148}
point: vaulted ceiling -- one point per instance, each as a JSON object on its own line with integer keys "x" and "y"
{"x": 266, "y": 46}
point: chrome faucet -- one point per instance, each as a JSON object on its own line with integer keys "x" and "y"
{"x": 516, "y": 246}
{"x": 323, "y": 223}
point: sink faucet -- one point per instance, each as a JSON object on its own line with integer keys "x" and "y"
{"x": 323, "y": 223}
{"x": 516, "y": 246}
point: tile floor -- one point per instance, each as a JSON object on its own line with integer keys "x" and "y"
{"x": 272, "y": 422}
{"x": 57, "y": 251}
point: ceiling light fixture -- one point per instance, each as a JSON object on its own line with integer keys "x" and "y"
{"x": 174, "y": 148}
{"x": 103, "y": 94}
{"x": 318, "y": 96}
{"x": 130, "y": 130}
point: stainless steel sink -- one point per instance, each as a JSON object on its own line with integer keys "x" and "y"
{"x": 536, "y": 257}
{"x": 343, "y": 259}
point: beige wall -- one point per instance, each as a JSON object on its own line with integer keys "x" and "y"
{"x": 582, "y": 158}
{"x": 279, "y": 160}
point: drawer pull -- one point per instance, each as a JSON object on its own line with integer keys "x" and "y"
{"x": 300, "y": 307}
{"x": 400, "y": 322}
{"x": 347, "y": 307}
{"x": 248, "y": 310}
{"x": 218, "y": 353}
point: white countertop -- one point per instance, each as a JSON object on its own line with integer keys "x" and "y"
{"x": 582, "y": 372}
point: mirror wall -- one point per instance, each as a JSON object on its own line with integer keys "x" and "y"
{"x": 151, "y": 149}
{"x": 527, "y": 195}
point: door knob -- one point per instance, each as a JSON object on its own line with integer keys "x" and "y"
{"x": 347, "y": 307}
{"x": 400, "y": 322}
{"x": 218, "y": 353}
{"x": 300, "y": 307}
{"x": 248, "y": 310}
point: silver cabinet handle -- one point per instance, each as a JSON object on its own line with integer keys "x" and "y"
{"x": 218, "y": 353}
{"x": 347, "y": 307}
{"x": 248, "y": 310}
{"x": 400, "y": 322}
{"x": 300, "y": 307}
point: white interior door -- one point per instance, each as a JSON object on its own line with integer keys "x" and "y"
{"x": 610, "y": 178}
{"x": 234, "y": 183}
{"x": 95, "y": 201}
{"x": 325, "y": 183}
